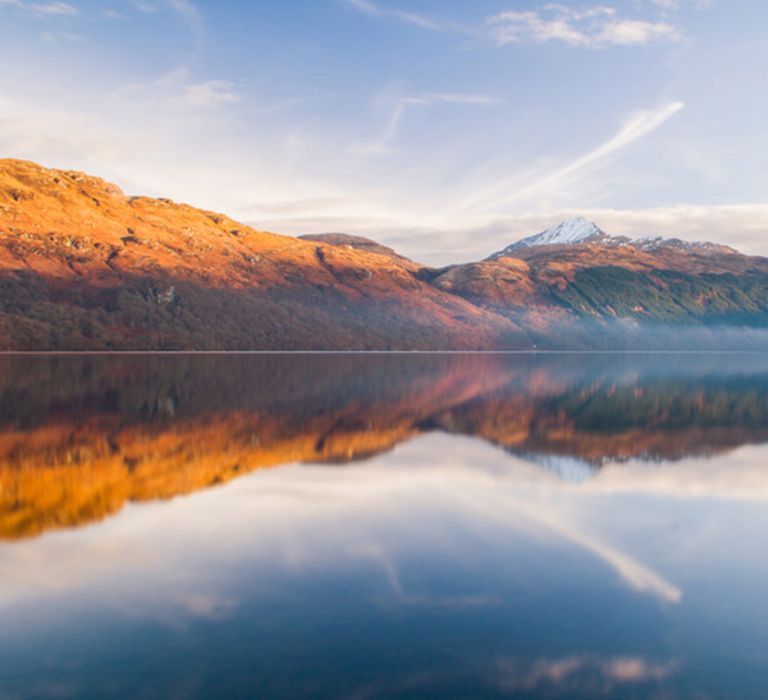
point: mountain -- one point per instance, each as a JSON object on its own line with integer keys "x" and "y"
{"x": 578, "y": 270}
{"x": 580, "y": 231}
{"x": 84, "y": 266}
{"x": 571, "y": 231}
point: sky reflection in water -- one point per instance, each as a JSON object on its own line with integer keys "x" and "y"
{"x": 467, "y": 526}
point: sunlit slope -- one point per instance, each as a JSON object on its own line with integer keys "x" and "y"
{"x": 83, "y": 266}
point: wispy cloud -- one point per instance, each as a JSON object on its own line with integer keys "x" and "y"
{"x": 191, "y": 16}
{"x": 383, "y": 143}
{"x": 593, "y": 27}
{"x": 42, "y": 9}
{"x": 365, "y": 7}
{"x": 186, "y": 10}
{"x": 667, "y": 5}
{"x": 141, "y": 6}
{"x": 580, "y": 673}
{"x": 634, "y": 128}
{"x": 374, "y": 10}
{"x": 212, "y": 93}
{"x": 56, "y": 135}
{"x": 54, "y": 37}
{"x": 672, "y": 6}
{"x": 55, "y": 8}
{"x": 177, "y": 89}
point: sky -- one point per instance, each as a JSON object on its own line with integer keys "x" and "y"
{"x": 446, "y": 128}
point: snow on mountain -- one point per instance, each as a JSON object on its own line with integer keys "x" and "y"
{"x": 575, "y": 230}
{"x": 580, "y": 231}
{"x": 651, "y": 243}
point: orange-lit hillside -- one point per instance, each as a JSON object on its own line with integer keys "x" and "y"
{"x": 85, "y": 266}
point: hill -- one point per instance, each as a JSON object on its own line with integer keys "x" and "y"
{"x": 84, "y": 266}
{"x": 579, "y": 269}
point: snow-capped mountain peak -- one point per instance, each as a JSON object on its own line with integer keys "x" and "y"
{"x": 580, "y": 231}
{"x": 570, "y": 231}
{"x": 574, "y": 230}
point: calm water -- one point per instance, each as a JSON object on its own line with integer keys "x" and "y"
{"x": 463, "y": 526}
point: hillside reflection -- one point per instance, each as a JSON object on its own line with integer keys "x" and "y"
{"x": 82, "y": 436}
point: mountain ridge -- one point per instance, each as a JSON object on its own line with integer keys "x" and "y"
{"x": 84, "y": 266}
{"x": 577, "y": 230}
{"x": 581, "y": 231}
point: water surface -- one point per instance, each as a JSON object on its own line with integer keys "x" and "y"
{"x": 378, "y": 526}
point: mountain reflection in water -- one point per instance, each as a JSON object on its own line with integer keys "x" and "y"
{"x": 384, "y": 526}
{"x": 82, "y": 436}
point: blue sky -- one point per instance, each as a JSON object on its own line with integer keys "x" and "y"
{"x": 447, "y": 128}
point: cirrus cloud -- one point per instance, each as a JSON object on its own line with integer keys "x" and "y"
{"x": 211, "y": 93}
{"x": 382, "y": 144}
{"x": 367, "y": 7}
{"x": 42, "y": 9}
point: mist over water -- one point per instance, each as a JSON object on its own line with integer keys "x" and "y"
{"x": 376, "y": 526}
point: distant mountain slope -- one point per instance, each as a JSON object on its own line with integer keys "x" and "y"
{"x": 580, "y": 231}
{"x": 578, "y": 268}
{"x": 350, "y": 242}
{"x": 84, "y": 267}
